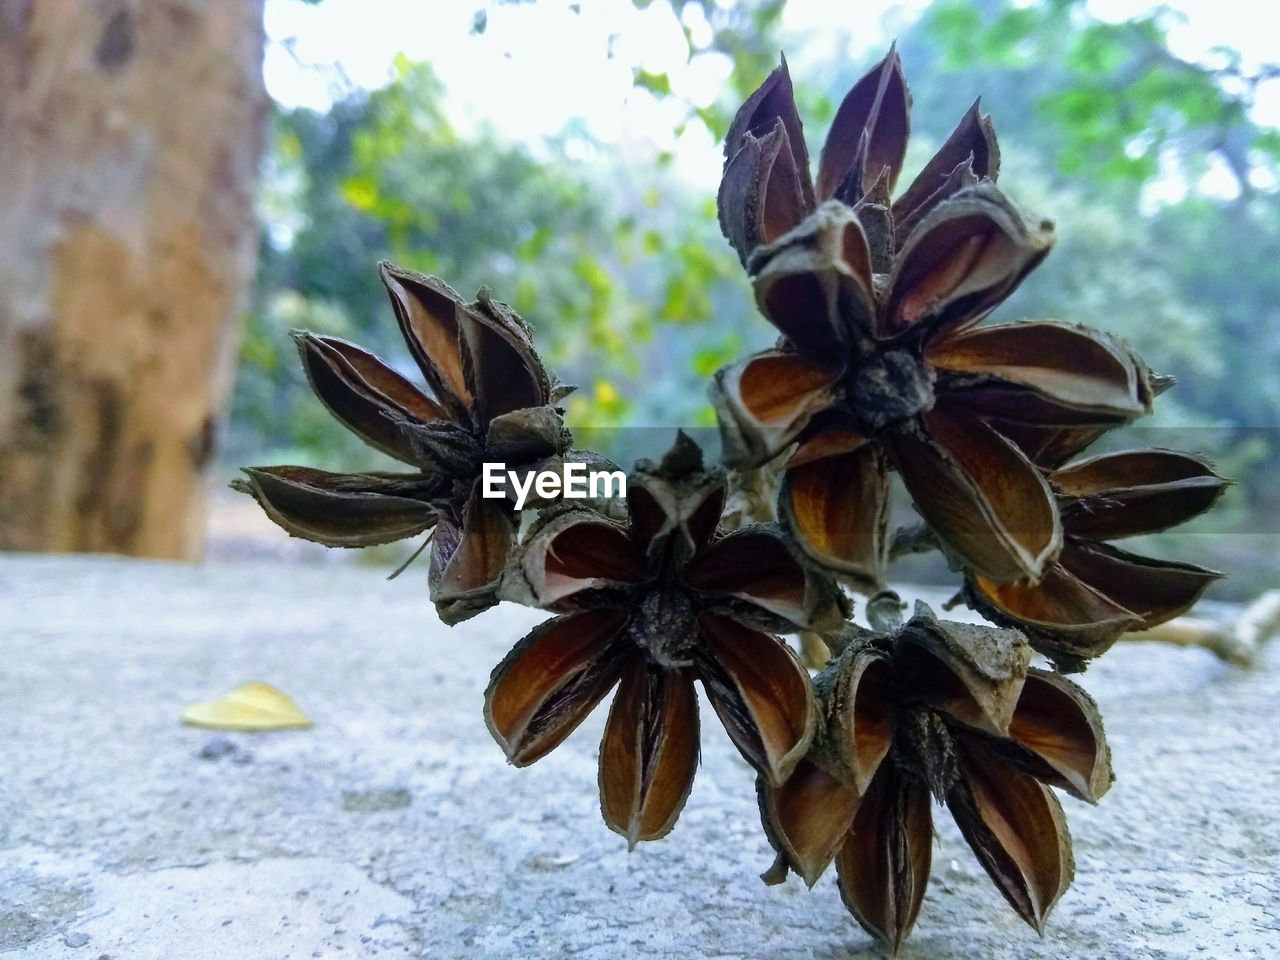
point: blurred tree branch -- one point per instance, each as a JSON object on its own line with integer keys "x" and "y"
{"x": 1122, "y": 99}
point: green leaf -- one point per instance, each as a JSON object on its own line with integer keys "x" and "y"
{"x": 716, "y": 120}
{"x": 361, "y": 193}
{"x": 658, "y": 84}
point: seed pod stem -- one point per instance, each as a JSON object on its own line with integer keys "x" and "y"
{"x": 1236, "y": 641}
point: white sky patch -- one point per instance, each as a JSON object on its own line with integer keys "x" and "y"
{"x": 536, "y": 69}
{"x": 850, "y": 29}
{"x": 539, "y": 67}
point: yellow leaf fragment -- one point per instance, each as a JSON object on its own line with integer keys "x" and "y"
{"x": 250, "y": 706}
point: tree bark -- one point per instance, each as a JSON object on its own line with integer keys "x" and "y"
{"x": 130, "y": 137}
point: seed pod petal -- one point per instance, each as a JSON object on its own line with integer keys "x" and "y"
{"x": 972, "y": 144}
{"x": 468, "y": 557}
{"x": 756, "y": 565}
{"x": 1109, "y": 473}
{"x": 815, "y": 284}
{"x": 366, "y": 395}
{"x": 427, "y": 310}
{"x": 1032, "y": 421}
{"x": 1016, "y": 828}
{"x": 1063, "y": 617}
{"x": 1059, "y": 723}
{"x": 677, "y": 496}
{"x": 833, "y": 435}
{"x": 967, "y": 256}
{"x": 865, "y": 707}
{"x": 1047, "y": 445}
{"x": 869, "y": 132}
{"x": 761, "y": 693}
{"x": 972, "y": 673}
{"x": 961, "y": 178}
{"x": 774, "y": 100}
{"x": 1135, "y": 492}
{"x": 649, "y": 518}
{"x": 1048, "y": 433}
{"x": 1155, "y": 590}
{"x": 572, "y": 552}
{"x": 884, "y": 865}
{"x": 765, "y": 401}
{"x": 698, "y": 515}
{"x": 550, "y": 681}
{"x": 503, "y": 370}
{"x": 649, "y": 753}
{"x": 837, "y": 508}
{"x": 341, "y": 509}
{"x": 877, "y": 223}
{"x": 809, "y": 815}
{"x": 982, "y": 496}
{"x": 1067, "y": 366}
{"x": 761, "y": 194}
{"x": 400, "y": 392}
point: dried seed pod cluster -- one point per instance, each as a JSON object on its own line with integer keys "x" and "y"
{"x": 883, "y": 365}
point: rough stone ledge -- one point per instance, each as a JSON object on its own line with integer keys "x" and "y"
{"x": 395, "y": 829}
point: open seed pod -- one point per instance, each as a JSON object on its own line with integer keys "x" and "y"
{"x": 951, "y": 710}
{"x": 655, "y": 604}
{"x": 488, "y": 398}
{"x": 882, "y": 365}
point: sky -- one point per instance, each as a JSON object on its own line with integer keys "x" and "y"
{"x": 537, "y": 66}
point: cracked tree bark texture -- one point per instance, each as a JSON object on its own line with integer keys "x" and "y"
{"x": 130, "y": 135}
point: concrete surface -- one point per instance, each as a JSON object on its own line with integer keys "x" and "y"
{"x": 395, "y": 829}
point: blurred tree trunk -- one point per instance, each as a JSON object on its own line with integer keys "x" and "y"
{"x": 130, "y": 135}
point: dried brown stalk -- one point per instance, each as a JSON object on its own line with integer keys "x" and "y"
{"x": 1237, "y": 640}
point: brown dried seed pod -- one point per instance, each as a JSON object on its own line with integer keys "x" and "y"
{"x": 656, "y": 603}
{"x": 927, "y": 398}
{"x": 488, "y": 398}
{"x": 949, "y": 709}
{"x": 969, "y": 154}
{"x": 878, "y": 303}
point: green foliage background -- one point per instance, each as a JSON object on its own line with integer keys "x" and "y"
{"x": 634, "y": 295}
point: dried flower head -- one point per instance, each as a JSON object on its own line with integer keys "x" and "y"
{"x": 653, "y": 605}
{"x": 1094, "y": 592}
{"x": 881, "y": 362}
{"x": 951, "y": 710}
{"x": 488, "y": 398}
{"x": 882, "y": 365}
